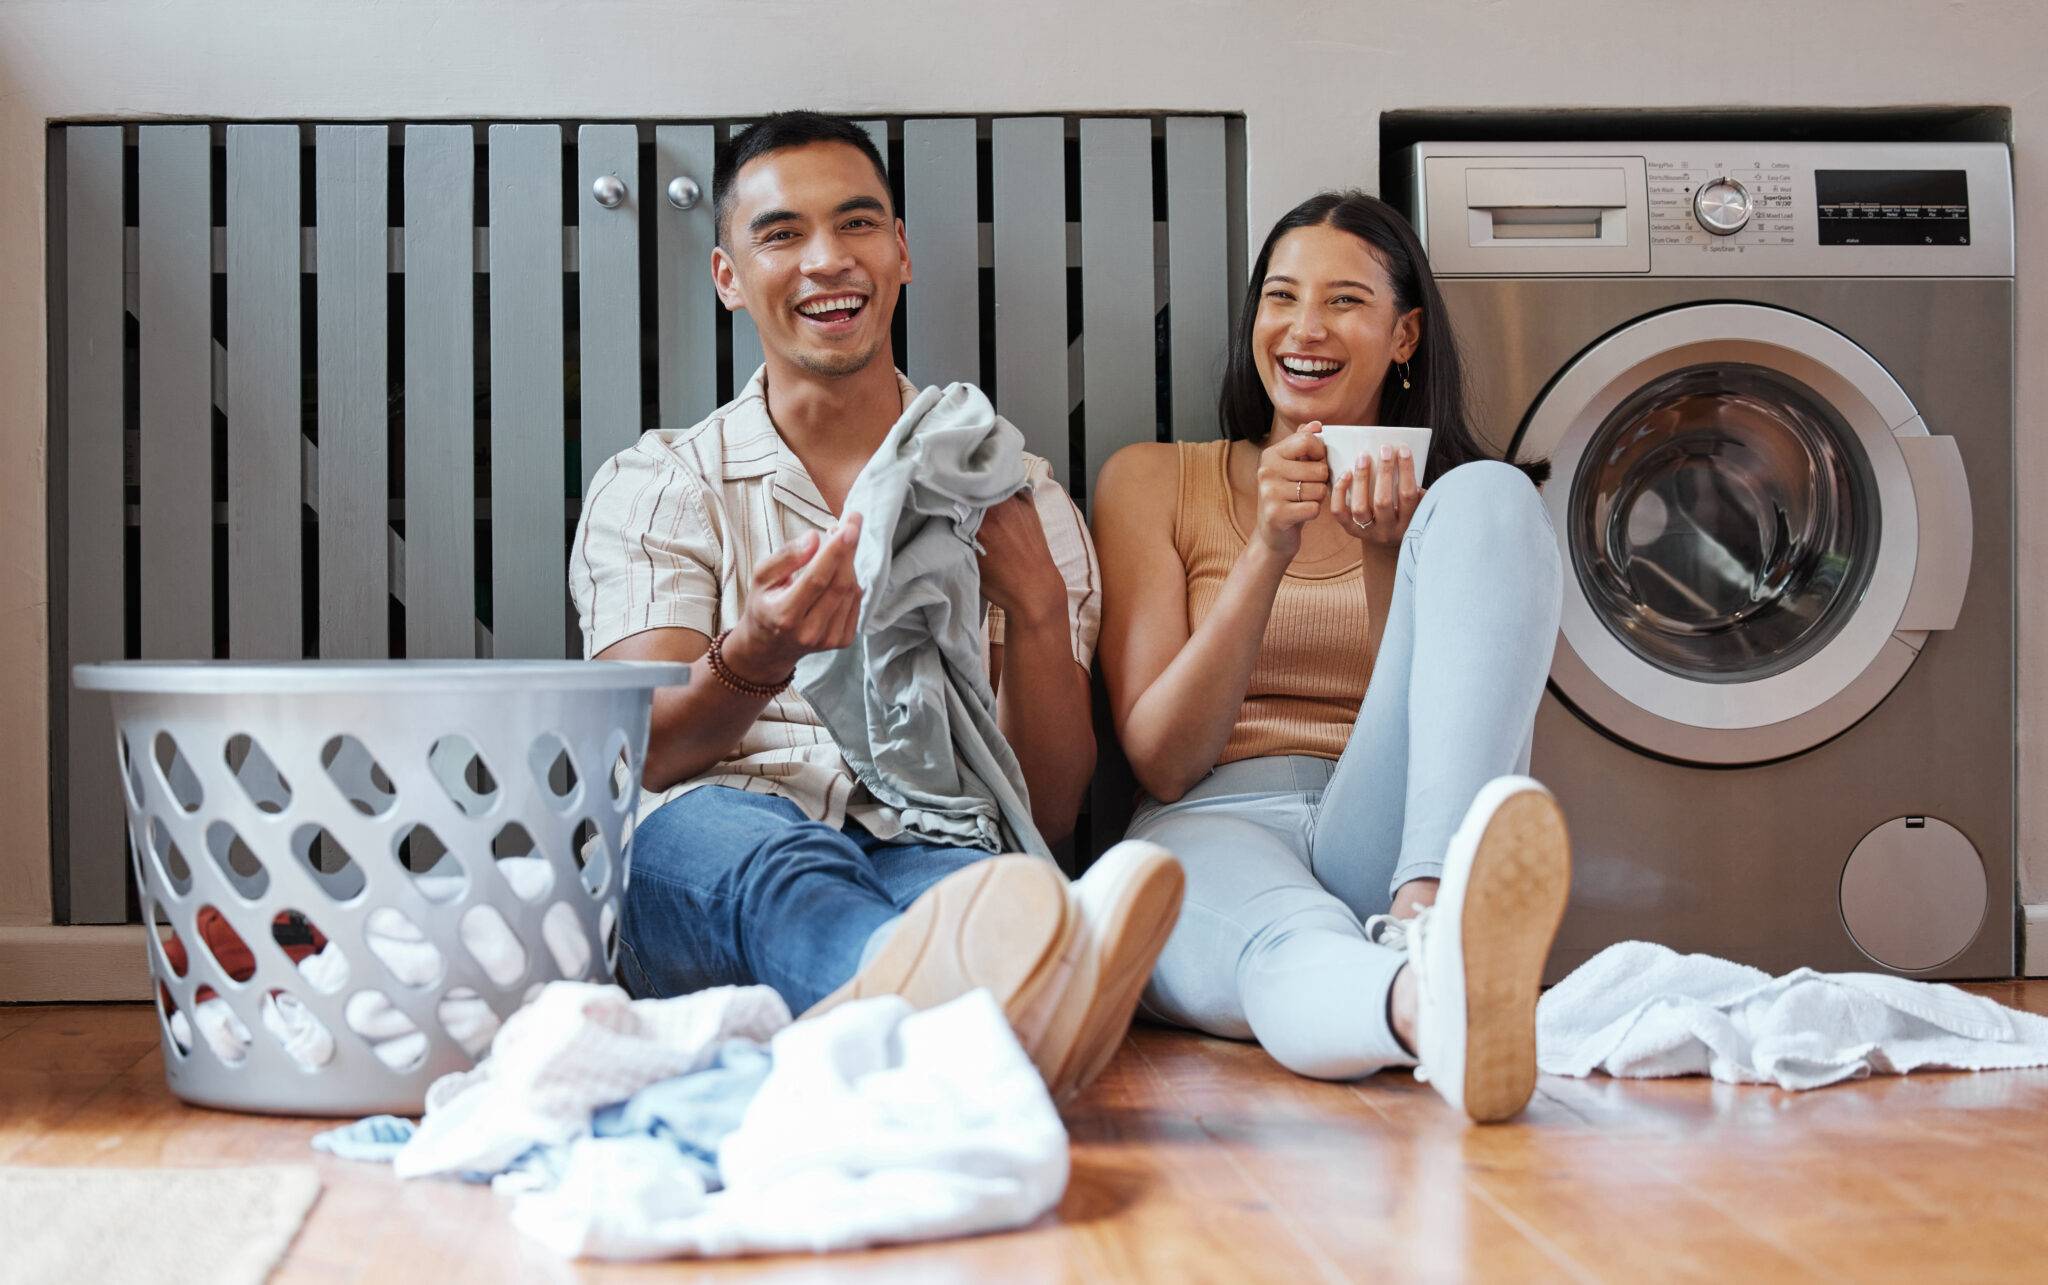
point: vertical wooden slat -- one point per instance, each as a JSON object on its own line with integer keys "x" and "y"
{"x": 175, "y": 312}
{"x": 608, "y": 295}
{"x": 1117, "y": 357}
{"x": 352, "y": 210}
{"x": 264, "y": 435}
{"x": 1028, "y": 170}
{"x": 529, "y": 574}
{"x": 939, "y": 205}
{"x": 440, "y": 391}
{"x": 687, "y": 329}
{"x": 746, "y": 350}
{"x": 95, "y": 617}
{"x": 1118, "y": 393}
{"x": 878, "y": 134}
{"x": 1197, "y": 261}
{"x": 744, "y": 356}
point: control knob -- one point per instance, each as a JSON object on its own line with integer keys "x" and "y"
{"x": 1722, "y": 206}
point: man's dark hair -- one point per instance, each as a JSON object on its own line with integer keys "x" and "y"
{"x": 772, "y": 134}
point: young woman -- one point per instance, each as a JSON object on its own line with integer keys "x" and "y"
{"x": 1369, "y": 884}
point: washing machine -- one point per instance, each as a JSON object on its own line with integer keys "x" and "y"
{"x": 1775, "y": 385}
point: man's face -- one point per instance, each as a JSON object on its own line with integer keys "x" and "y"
{"x": 815, "y": 255}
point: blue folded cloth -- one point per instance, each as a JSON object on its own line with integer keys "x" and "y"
{"x": 693, "y": 1113}
{"x": 376, "y": 1138}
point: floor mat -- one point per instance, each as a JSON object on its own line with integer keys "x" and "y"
{"x": 224, "y": 1226}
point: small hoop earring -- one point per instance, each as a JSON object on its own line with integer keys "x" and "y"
{"x": 1404, "y": 376}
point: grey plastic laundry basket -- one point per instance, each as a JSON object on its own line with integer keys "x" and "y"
{"x": 434, "y": 839}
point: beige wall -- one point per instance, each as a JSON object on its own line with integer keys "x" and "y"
{"x": 1310, "y": 78}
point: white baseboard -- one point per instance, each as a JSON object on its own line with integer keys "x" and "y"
{"x": 80, "y": 964}
{"x": 2034, "y": 942}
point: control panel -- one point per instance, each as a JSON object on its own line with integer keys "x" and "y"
{"x": 1721, "y": 204}
{"x": 1715, "y": 209}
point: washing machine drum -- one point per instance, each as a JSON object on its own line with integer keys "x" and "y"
{"x": 1758, "y": 528}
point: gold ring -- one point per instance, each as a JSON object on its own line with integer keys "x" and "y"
{"x": 1297, "y": 491}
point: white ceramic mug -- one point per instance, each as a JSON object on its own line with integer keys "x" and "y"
{"x": 1346, "y": 444}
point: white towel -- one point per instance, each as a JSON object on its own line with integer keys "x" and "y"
{"x": 1640, "y": 1010}
{"x": 577, "y": 1047}
{"x": 878, "y": 1125}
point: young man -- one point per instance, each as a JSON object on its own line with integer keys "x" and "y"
{"x": 760, "y": 857}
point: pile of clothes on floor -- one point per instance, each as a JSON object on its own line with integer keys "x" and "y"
{"x": 712, "y": 1125}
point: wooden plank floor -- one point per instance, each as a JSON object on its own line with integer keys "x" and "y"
{"x": 1198, "y": 1160}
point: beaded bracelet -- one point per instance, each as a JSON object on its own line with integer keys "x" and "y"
{"x": 723, "y": 672}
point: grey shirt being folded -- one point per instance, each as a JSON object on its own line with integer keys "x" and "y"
{"x": 909, "y": 703}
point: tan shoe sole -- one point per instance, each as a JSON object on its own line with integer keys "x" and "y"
{"x": 1111, "y": 963}
{"x": 1521, "y": 877}
{"x": 1003, "y": 923}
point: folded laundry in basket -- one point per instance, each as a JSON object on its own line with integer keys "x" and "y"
{"x": 1643, "y": 1010}
{"x": 405, "y": 951}
{"x": 294, "y": 936}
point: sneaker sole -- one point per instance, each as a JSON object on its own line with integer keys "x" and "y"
{"x": 1002, "y": 924}
{"x": 1129, "y": 940}
{"x": 1521, "y": 878}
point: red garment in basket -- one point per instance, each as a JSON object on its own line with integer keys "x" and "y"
{"x": 294, "y": 934}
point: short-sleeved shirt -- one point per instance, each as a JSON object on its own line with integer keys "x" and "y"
{"x": 670, "y": 534}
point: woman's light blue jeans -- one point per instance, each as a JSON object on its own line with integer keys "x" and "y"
{"x": 1286, "y": 857}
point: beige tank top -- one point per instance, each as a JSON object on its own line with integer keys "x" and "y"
{"x": 1320, "y": 639}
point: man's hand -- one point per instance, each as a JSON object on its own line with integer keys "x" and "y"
{"x": 1017, "y": 570}
{"x": 804, "y": 599}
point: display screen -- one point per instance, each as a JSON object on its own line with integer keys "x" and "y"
{"x": 1893, "y": 207}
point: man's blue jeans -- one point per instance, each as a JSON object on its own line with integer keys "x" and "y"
{"x": 731, "y": 888}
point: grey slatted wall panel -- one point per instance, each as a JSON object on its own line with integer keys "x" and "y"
{"x": 608, "y": 296}
{"x": 746, "y": 350}
{"x": 264, "y": 395}
{"x": 529, "y": 571}
{"x": 1198, "y": 264}
{"x": 686, "y": 330}
{"x": 440, "y": 391}
{"x": 1119, "y": 398}
{"x": 743, "y": 356}
{"x": 944, "y": 306}
{"x": 878, "y": 134}
{"x": 175, "y": 252}
{"x": 92, "y": 518}
{"x": 352, "y": 210}
{"x": 1117, "y": 359}
{"x": 746, "y": 337}
{"x": 1028, "y": 175}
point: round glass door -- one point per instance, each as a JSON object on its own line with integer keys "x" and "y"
{"x": 1740, "y": 522}
{"x": 1723, "y": 522}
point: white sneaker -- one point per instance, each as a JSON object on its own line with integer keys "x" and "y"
{"x": 1126, "y": 905}
{"x": 1478, "y": 953}
{"x": 1390, "y": 931}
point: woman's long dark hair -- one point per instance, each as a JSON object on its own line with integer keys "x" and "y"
{"x": 1437, "y": 399}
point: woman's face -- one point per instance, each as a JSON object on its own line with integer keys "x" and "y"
{"x": 1328, "y": 329}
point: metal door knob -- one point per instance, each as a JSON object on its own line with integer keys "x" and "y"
{"x": 609, "y": 191}
{"x": 683, "y": 192}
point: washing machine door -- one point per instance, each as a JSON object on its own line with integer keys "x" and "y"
{"x": 1759, "y": 529}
